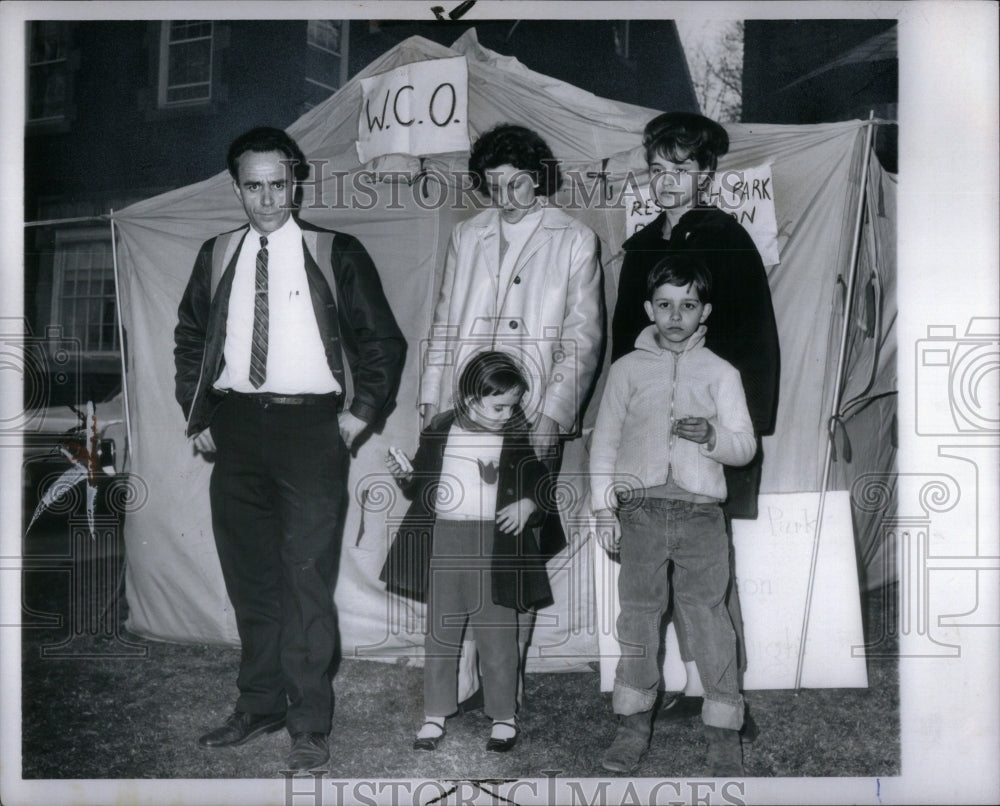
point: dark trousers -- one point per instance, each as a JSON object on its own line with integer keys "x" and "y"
{"x": 278, "y": 495}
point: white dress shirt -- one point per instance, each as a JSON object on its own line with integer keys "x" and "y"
{"x": 296, "y": 360}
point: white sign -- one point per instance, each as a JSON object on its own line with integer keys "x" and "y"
{"x": 772, "y": 570}
{"x": 419, "y": 108}
{"x": 746, "y": 194}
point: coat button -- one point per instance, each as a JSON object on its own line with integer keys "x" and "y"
{"x": 509, "y": 491}
{"x": 513, "y": 325}
{"x": 517, "y": 281}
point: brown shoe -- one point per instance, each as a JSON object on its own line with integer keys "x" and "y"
{"x": 310, "y": 751}
{"x": 240, "y": 728}
{"x": 630, "y": 743}
{"x": 725, "y": 753}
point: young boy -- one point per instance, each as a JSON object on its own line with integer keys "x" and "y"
{"x": 673, "y": 413}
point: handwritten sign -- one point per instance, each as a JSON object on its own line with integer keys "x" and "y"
{"x": 746, "y": 194}
{"x": 773, "y": 554}
{"x": 419, "y": 108}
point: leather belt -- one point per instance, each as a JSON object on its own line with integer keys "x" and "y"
{"x": 331, "y": 399}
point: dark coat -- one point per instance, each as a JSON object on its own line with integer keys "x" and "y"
{"x": 363, "y": 322}
{"x": 518, "y": 577}
{"x": 741, "y": 327}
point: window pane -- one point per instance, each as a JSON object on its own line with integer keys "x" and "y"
{"x": 190, "y": 62}
{"x": 85, "y": 307}
{"x": 47, "y": 93}
{"x": 189, "y": 29}
{"x": 324, "y": 34}
{"x": 49, "y": 41}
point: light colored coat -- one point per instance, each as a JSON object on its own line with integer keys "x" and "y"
{"x": 647, "y": 390}
{"x": 550, "y": 316}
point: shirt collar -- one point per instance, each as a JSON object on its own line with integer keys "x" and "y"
{"x": 286, "y": 234}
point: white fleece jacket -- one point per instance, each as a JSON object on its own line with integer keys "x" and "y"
{"x": 646, "y": 391}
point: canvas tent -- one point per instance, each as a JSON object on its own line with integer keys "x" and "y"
{"x": 174, "y": 585}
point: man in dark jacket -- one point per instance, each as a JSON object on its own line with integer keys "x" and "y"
{"x": 286, "y": 351}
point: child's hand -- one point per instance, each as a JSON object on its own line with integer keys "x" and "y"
{"x": 696, "y": 429}
{"x": 398, "y": 464}
{"x": 609, "y": 533}
{"x": 514, "y": 517}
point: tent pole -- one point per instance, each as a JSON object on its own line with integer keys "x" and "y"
{"x": 121, "y": 341}
{"x": 837, "y": 392}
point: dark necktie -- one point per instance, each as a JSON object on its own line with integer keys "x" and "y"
{"x": 258, "y": 346}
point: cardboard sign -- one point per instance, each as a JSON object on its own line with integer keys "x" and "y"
{"x": 419, "y": 108}
{"x": 746, "y": 194}
{"x": 772, "y": 570}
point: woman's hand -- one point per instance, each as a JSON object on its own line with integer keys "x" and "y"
{"x": 514, "y": 517}
{"x": 427, "y": 413}
{"x": 544, "y": 437}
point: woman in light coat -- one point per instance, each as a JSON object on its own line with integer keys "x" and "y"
{"x": 521, "y": 277}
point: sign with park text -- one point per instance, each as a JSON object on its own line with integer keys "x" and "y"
{"x": 747, "y": 194}
{"x": 419, "y": 108}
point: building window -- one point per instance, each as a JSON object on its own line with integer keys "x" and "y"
{"x": 185, "y": 62}
{"x": 83, "y": 302}
{"x": 48, "y": 71}
{"x": 326, "y": 59}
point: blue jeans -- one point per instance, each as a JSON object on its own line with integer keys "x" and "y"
{"x": 655, "y": 532}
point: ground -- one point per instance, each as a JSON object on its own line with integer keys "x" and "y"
{"x": 100, "y": 703}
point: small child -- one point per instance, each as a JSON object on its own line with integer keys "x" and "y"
{"x": 466, "y": 542}
{"x": 673, "y": 413}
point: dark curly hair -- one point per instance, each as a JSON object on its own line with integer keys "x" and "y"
{"x": 266, "y": 138}
{"x": 678, "y": 135}
{"x": 508, "y": 144}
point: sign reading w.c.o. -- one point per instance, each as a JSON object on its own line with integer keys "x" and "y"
{"x": 419, "y": 108}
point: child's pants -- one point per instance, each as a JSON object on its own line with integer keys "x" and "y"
{"x": 654, "y": 532}
{"x": 460, "y": 589}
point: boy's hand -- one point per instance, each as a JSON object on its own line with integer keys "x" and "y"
{"x": 514, "y": 517}
{"x": 398, "y": 464}
{"x": 609, "y": 533}
{"x": 696, "y": 429}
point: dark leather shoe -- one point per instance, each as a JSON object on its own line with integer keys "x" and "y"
{"x": 429, "y": 742}
{"x": 310, "y": 751}
{"x": 503, "y": 745}
{"x": 680, "y": 708}
{"x": 240, "y": 728}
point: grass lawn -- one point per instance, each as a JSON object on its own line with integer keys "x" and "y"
{"x": 87, "y": 714}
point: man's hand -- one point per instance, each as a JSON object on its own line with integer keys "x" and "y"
{"x": 350, "y": 427}
{"x": 203, "y": 442}
{"x": 609, "y": 533}
{"x": 428, "y": 411}
{"x": 514, "y": 517}
{"x": 544, "y": 436}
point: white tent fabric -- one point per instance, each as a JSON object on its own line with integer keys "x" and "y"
{"x": 174, "y": 585}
